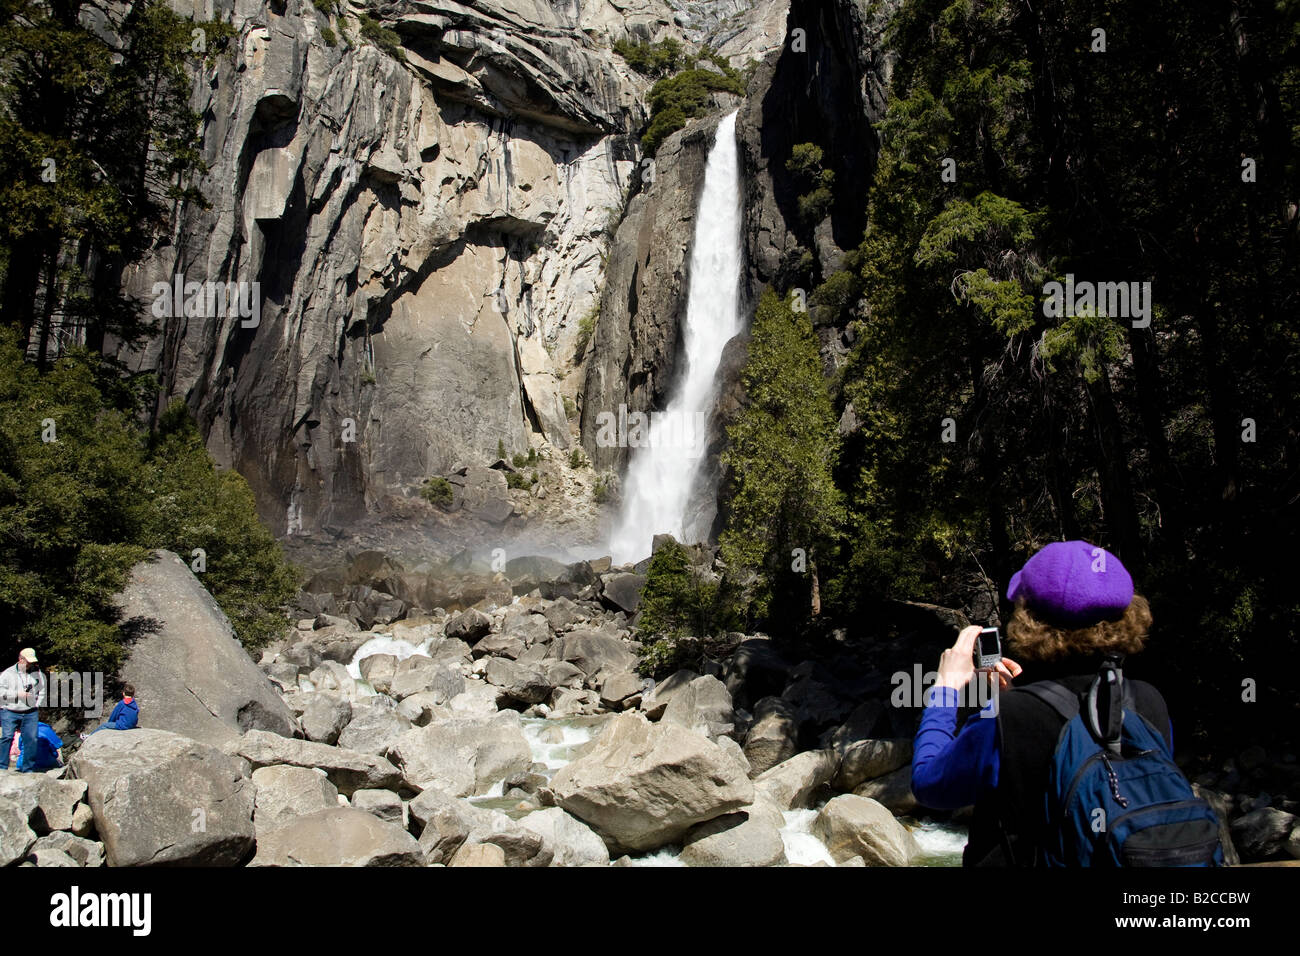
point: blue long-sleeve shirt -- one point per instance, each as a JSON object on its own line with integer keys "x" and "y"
{"x": 953, "y": 770}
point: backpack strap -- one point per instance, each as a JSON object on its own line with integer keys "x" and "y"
{"x": 1056, "y": 696}
{"x": 1102, "y": 706}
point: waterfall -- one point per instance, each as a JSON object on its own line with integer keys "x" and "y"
{"x": 662, "y": 471}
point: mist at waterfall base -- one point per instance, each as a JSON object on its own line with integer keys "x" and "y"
{"x": 660, "y": 478}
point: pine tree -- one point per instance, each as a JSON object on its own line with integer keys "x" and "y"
{"x": 783, "y": 507}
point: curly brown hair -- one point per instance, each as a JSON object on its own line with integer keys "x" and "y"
{"x": 1032, "y": 638}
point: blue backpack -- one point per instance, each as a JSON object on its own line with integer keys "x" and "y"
{"x": 1115, "y": 797}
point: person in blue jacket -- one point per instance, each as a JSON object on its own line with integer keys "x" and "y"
{"x": 125, "y": 715}
{"x": 47, "y": 751}
{"x": 1074, "y": 604}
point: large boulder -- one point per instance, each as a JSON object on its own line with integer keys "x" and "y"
{"x": 286, "y": 793}
{"x": 468, "y": 626}
{"x": 160, "y": 798}
{"x": 519, "y": 683}
{"x": 621, "y": 591}
{"x": 865, "y": 760}
{"x": 642, "y": 785}
{"x": 500, "y": 645}
{"x": 773, "y": 736}
{"x": 657, "y": 701}
{"x": 792, "y": 783}
{"x": 347, "y": 769}
{"x": 193, "y": 676}
{"x": 853, "y": 826}
{"x": 423, "y": 675}
{"x": 377, "y": 670}
{"x": 702, "y": 705}
{"x": 737, "y": 839}
{"x": 50, "y": 804}
{"x": 16, "y": 837}
{"x": 324, "y": 716}
{"x": 595, "y": 652}
{"x": 373, "y": 727}
{"x": 1262, "y": 832}
{"x": 462, "y": 756}
{"x": 338, "y": 836}
{"x": 571, "y": 842}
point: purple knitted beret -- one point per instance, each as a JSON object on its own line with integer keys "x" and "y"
{"x": 1073, "y": 584}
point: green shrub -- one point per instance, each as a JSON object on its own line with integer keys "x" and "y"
{"x": 586, "y": 327}
{"x": 679, "y": 600}
{"x": 78, "y": 512}
{"x": 577, "y": 459}
{"x": 676, "y": 99}
{"x": 600, "y": 490}
{"x": 815, "y": 199}
{"x": 517, "y": 480}
{"x": 382, "y": 37}
{"x": 652, "y": 59}
{"x": 437, "y": 491}
{"x": 501, "y": 448}
{"x": 660, "y": 658}
{"x": 570, "y": 408}
{"x": 328, "y": 35}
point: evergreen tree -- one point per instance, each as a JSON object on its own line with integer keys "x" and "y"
{"x": 783, "y": 507}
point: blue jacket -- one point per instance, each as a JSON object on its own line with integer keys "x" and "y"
{"x": 47, "y": 750}
{"x": 124, "y": 716}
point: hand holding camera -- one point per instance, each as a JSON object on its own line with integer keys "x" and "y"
{"x": 976, "y": 648}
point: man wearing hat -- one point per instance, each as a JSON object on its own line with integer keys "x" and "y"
{"x": 22, "y": 691}
{"x": 1074, "y": 606}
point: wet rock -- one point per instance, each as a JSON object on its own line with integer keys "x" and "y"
{"x": 857, "y": 826}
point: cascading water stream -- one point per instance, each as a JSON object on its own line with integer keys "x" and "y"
{"x": 660, "y": 477}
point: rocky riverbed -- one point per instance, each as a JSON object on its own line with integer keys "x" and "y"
{"x": 508, "y": 733}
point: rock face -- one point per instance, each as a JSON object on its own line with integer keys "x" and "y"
{"x": 642, "y": 785}
{"x": 160, "y": 798}
{"x": 426, "y": 232}
{"x": 192, "y": 675}
{"x": 339, "y": 836}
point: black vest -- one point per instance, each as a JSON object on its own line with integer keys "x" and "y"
{"x": 1028, "y": 730}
